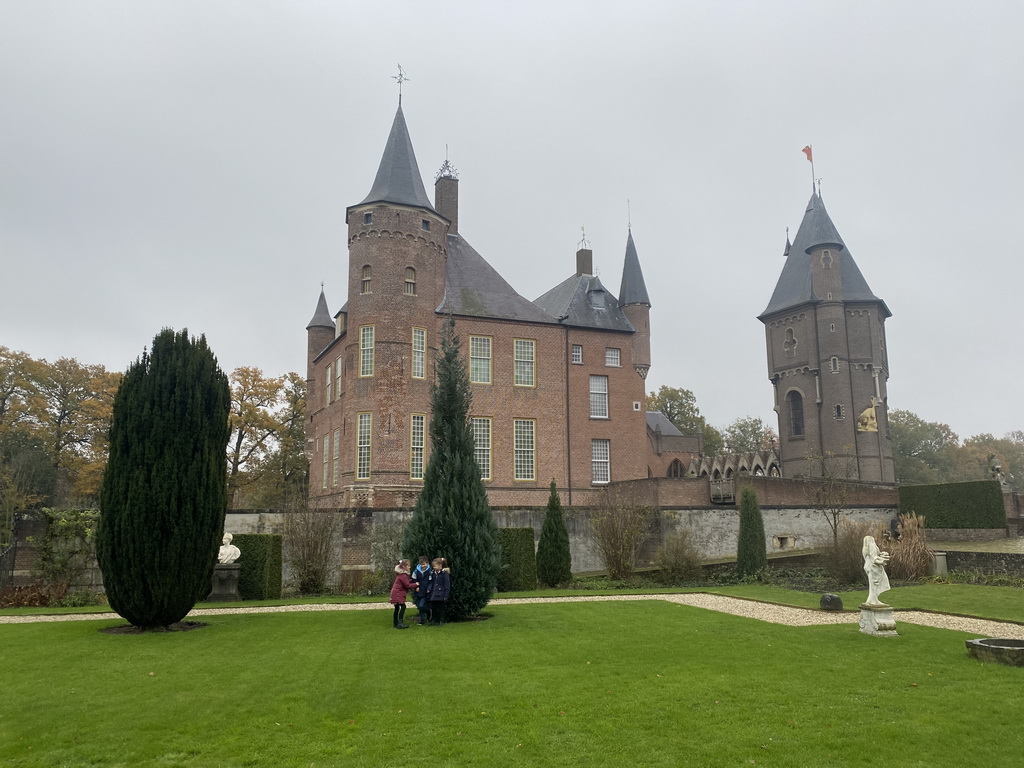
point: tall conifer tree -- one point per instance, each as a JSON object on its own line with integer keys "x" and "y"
{"x": 751, "y": 554}
{"x": 452, "y": 518}
{"x": 164, "y": 491}
{"x": 554, "y": 562}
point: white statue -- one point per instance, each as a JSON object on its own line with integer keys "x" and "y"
{"x": 229, "y": 552}
{"x": 874, "y": 566}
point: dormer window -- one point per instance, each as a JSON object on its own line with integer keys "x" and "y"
{"x": 367, "y": 218}
{"x": 597, "y": 299}
{"x": 364, "y": 286}
{"x": 425, "y": 225}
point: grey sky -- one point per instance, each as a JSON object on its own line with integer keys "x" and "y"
{"x": 189, "y": 164}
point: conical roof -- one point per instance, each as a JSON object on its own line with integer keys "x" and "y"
{"x": 632, "y": 290}
{"x": 794, "y": 287}
{"x": 322, "y": 316}
{"x": 398, "y": 177}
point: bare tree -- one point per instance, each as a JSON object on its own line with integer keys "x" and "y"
{"x": 312, "y": 538}
{"x": 620, "y": 524}
{"x": 828, "y": 488}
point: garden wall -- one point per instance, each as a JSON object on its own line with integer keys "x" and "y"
{"x": 1002, "y": 563}
{"x": 966, "y": 534}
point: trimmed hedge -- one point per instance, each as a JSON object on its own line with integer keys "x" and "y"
{"x": 259, "y": 575}
{"x": 518, "y": 562}
{"x": 977, "y": 504}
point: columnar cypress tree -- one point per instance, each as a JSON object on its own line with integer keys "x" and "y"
{"x": 751, "y": 555}
{"x": 164, "y": 491}
{"x": 554, "y": 563}
{"x": 452, "y": 518}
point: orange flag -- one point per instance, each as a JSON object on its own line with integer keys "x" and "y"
{"x": 807, "y": 151}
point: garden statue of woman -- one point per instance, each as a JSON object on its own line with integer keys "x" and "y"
{"x": 229, "y": 552}
{"x": 874, "y": 566}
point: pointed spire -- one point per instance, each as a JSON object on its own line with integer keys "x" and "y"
{"x": 817, "y": 228}
{"x": 398, "y": 177}
{"x": 632, "y": 290}
{"x": 322, "y": 316}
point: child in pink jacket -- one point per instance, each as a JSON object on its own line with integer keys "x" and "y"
{"x": 399, "y": 591}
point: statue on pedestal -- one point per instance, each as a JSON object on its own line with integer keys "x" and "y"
{"x": 228, "y": 552}
{"x": 874, "y": 566}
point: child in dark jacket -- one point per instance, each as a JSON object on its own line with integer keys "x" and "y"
{"x": 422, "y": 577}
{"x": 399, "y": 591}
{"x": 440, "y": 591}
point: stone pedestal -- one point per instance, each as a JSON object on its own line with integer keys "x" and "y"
{"x": 876, "y": 619}
{"x": 225, "y": 583}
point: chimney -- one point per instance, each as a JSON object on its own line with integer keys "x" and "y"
{"x": 446, "y": 195}
{"x": 584, "y": 261}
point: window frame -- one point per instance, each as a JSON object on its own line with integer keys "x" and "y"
{"x": 366, "y": 280}
{"x": 409, "y": 289}
{"x": 476, "y": 359}
{"x": 601, "y": 397}
{"x": 526, "y": 451}
{"x": 417, "y": 445}
{"x": 577, "y": 354}
{"x": 325, "y": 447}
{"x": 367, "y": 351}
{"x": 604, "y": 462}
{"x": 480, "y": 450}
{"x": 364, "y": 444}
{"x": 610, "y": 354}
{"x": 335, "y": 465}
{"x": 419, "y": 353}
{"x": 523, "y": 364}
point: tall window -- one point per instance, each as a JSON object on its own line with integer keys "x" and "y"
{"x": 410, "y": 281}
{"x": 613, "y": 357}
{"x": 337, "y": 378}
{"x": 480, "y": 359}
{"x": 419, "y": 353}
{"x": 833, "y": 365}
{"x": 525, "y": 355}
{"x": 482, "y": 440}
{"x": 366, "y": 350}
{"x": 416, "y": 446}
{"x": 577, "y": 354}
{"x": 599, "y": 397}
{"x": 524, "y": 434}
{"x": 328, "y": 386}
{"x": 796, "y": 413}
{"x": 364, "y": 423}
{"x": 364, "y": 286}
{"x": 600, "y": 461}
{"x": 337, "y": 457}
{"x": 325, "y": 448}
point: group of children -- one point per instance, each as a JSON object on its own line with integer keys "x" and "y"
{"x": 432, "y": 583}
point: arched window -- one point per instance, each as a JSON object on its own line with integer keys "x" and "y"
{"x": 365, "y": 285}
{"x": 790, "y": 343}
{"x": 676, "y": 469}
{"x": 833, "y": 365}
{"x": 839, "y": 412}
{"x": 410, "y": 281}
{"x": 796, "y": 413}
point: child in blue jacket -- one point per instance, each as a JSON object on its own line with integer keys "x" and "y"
{"x": 440, "y": 591}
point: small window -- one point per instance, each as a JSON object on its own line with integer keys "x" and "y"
{"x": 832, "y": 327}
{"x": 425, "y": 225}
{"x": 410, "y": 281}
{"x": 367, "y": 218}
{"x": 833, "y": 365}
{"x": 826, "y": 259}
{"x": 577, "y": 354}
{"x": 839, "y": 412}
{"x": 367, "y": 274}
{"x": 829, "y": 294}
{"x": 613, "y": 357}
{"x": 789, "y": 344}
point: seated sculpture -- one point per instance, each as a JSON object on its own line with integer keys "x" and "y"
{"x": 228, "y": 552}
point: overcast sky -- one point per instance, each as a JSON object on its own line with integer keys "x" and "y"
{"x": 188, "y": 164}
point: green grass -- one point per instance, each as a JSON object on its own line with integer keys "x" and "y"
{"x": 597, "y": 684}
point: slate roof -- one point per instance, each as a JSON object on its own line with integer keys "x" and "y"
{"x": 474, "y": 288}
{"x": 633, "y": 289}
{"x": 583, "y": 302}
{"x": 322, "y": 316}
{"x": 398, "y": 176}
{"x": 657, "y": 420}
{"x": 794, "y": 286}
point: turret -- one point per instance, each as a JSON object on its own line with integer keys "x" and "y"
{"x": 320, "y": 332}
{"x": 636, "y": 305}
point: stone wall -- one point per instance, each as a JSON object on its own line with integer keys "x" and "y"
{"x": 1003, "y": 563}
{"x": 966, "y": 534}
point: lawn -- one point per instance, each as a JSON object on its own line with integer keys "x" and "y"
{"x": 595, "y": 684}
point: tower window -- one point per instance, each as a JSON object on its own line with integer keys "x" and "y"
{"x": 796, "y": 413}
{"x": 790, "y": 343}
{"x": 832, "y": 327}
{"x": 839, "y": 412}
{"x": 367, "y": 218}
{"x": 833, "y": 365}
{"x": 410, "y": 281}
{"x": 419, "y": 353}
{"x": 366, "y": 349}
{"x": 826, "y": 259}
{"x": 364, "y": 287}
{"x": 416, "y": 443}
{"x": 364, "y": 422}
{"x": 425, "y": 225}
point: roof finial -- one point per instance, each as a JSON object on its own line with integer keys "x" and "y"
{"x": 400, "y": 78}
{"x": 629, "y": 216}
{"x": 584, "y": 243}
{"x": 819, "y": 187}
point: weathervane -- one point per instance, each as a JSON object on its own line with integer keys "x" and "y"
{"x": 629, "y": 216}
{"x": 447, "y": 171}
{"x": 400, "y": 78}
{"x": 810, "y": 158}
{"x": 584, "y": 243}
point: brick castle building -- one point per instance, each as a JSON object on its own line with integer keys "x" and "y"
{"x": 827, "y": 358}
{"x": 557, "y": 383}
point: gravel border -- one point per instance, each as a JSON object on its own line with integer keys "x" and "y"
{"x": 751, "y": 609}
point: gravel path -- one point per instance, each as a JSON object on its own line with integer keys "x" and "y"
{"x": 751, "y": 609}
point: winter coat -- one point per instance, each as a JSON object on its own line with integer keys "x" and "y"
{"x": 422, "y": 580}
{"x": 401, "y": 586}
{"x": 442, "y": 586}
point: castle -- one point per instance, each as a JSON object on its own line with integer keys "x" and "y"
{"x": 558, "y": 383}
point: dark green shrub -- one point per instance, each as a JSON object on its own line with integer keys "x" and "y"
{"x": 165, "y": 487}
{"x": 452, "y": 518}
{"x": 518, "y": 563}
{"x": 751, "y": 552}
{"x": 554, "y": 561}
{"x": 977, "y": 504}
{"x": 259, "y": 572}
